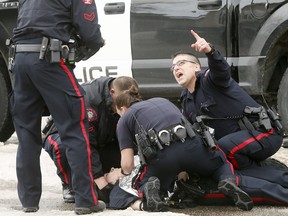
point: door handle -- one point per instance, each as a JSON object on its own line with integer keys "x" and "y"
{"x": 114, "y": 8}
{"x": 209, "y": 4}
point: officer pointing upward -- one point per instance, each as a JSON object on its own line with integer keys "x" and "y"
{"x": 246, "y": 132}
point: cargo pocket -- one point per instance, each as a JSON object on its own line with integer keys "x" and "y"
{"x": 75, "y": 106}
{"x": 75, "y": 103}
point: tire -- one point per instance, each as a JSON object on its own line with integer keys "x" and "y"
{"x": 6, "y": 124}
{"x": 282, "y": 100}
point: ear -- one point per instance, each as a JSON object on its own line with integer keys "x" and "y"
{"x": 112, "y": 91}
{"x": 197, "y": 67}
{"x": 122, "y": 110}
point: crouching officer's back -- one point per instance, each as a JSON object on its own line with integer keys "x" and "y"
{"x": 42, "y": 62}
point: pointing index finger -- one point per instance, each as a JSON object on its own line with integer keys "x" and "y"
{"x": 195, "y": 35}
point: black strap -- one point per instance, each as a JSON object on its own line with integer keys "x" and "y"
{"x": 28, "y": 48}
{"x": 247, "y": 123}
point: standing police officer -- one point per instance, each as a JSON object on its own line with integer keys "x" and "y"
{"x": 43, "y": 76}
{"x": 103, "y": 119}
{"x": 242, "y": 127}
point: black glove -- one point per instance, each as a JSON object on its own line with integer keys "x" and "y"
{"x": 83, "y": 53}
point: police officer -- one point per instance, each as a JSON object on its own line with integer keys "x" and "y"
{"x": 158, "y": 114}
{"x": 224, "y": 106}
{"x": 43, "y": 76}
{"x": 104, "y": 146}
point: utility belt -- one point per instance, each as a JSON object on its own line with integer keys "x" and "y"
{"x": 178, "y": 132}
{"x": 172, "y": 134}
{"x": 150, "y": 142}
{"x": 258, "y": 118}
{"x": 52, "y": 46}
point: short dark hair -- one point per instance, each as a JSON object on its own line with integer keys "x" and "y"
{"x": 194, "y": 58}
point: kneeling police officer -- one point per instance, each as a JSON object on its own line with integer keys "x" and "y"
{"x": 104, "y": 147}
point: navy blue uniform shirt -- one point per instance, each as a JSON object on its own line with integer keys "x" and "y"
{"x": 217, "y": 95}
{"x": 156, "y": 113}
{"x": 57, "y": 19}
{"x": 102, "y": 119}
{"x": 102, "y": 125}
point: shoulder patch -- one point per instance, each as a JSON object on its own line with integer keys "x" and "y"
{"x": 89, "y": 17}
{"x": 92, "y": 114}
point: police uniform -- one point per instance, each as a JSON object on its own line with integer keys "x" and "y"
{"x": 191, "y": 155}
{"x": 38, "y": 82}
{"x": 262, "y": 188}
{"x": 102, "y": 126}
{"x": 104, "y": 147}
{"x": 220, "y": 98}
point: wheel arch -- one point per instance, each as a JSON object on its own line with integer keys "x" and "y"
{"x": 272, "y": 42}
{"x": 6, "y": 123}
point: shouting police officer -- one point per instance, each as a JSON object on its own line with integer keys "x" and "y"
{"x": 43, "y": 75}
{"x": 243, "y": 128}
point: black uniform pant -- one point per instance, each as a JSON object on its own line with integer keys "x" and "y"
{"x": 244, "y": 149}
{"x": 38, "y": 82}
{"x": 191, "y": 156}
{"x": 120, "y": 199}
{"x": 56, "y": 150}
{"x": 266, "y": 185}
{"x": 105, "y": 159}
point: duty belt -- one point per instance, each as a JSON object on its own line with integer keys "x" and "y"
{"x": 176, "y": 132}
{"x": 27, "y": 48}
{"x": 172, "y": 133}
{"x": 55, "y": 47}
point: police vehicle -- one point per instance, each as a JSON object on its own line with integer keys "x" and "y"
{"x": 141, "y": 36}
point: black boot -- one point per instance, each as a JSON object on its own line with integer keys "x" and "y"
{"x": 154, "y": 202}
{"x": 240, "y": 198}
{"x": 30, "y": 209}
{"x": 88, "y": 210}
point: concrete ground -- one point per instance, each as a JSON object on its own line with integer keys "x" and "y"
{"x": 52, "y": 203}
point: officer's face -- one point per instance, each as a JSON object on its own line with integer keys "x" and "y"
{"x": 183, "y": 69}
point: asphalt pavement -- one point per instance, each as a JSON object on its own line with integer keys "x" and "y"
{"x": 52, "y": 203}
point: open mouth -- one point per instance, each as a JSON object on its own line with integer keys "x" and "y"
{"x": 179, "y": 74}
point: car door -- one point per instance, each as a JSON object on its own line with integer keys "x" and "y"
{"x": 161, "y": 27}
{"x": 114, "y": 59}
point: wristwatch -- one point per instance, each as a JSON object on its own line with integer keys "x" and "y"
{"x": 212, "y": 49}
{"x": 122, "y": 172}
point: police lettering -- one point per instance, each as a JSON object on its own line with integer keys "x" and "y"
{"x": 96, "y": 72}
